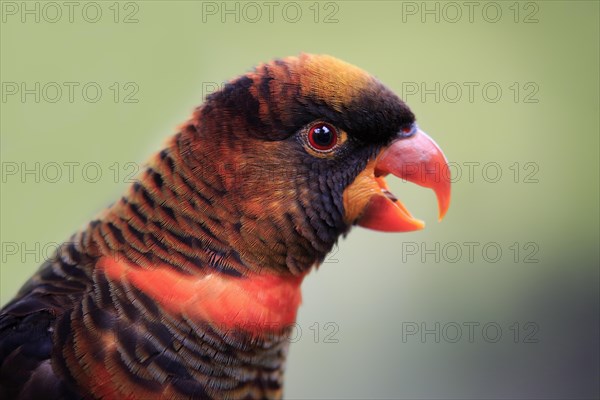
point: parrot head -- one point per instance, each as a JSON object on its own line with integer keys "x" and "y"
{"x": 189, "y": 285}
{"x": 297, "y": 150}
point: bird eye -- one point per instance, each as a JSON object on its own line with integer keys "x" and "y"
{"x": 322, "y": 136}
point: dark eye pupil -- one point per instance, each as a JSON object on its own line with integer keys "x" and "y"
{"x": 322, "y": 136}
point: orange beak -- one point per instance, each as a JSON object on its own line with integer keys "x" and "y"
{"x": 417, "y": 159}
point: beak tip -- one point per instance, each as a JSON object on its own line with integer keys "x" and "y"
{"x": 442, "y": 215}
{"x": 442, "y": 212}
{"x": 417, "y": 225}
{"x": 443, "y": 197}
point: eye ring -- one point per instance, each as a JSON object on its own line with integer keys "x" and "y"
{"x": 322, "y": 137}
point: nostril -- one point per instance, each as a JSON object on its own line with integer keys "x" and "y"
{"x": 408, "y": 130}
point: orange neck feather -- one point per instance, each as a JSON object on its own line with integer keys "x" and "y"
{"x": 256, "y": 303}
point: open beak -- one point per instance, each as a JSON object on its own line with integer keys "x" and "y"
{"x": 417, "y": 159}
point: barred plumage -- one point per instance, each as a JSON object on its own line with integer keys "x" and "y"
{"x": 188, "y": 285}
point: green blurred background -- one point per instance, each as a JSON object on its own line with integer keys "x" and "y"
{"x": 360, "y": 329}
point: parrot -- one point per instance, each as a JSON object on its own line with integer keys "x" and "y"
{"x": 188, "y": 285}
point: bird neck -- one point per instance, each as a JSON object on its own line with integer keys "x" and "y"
{"x": 256, "y": 305}
{"x": 188, "y": 210}
{"x": 180, "y": 236}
